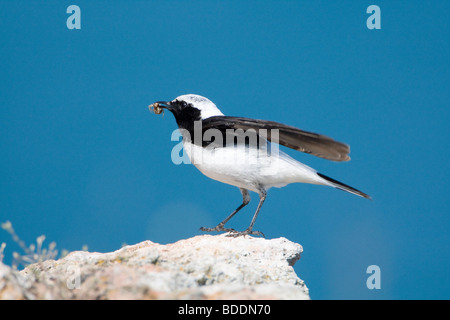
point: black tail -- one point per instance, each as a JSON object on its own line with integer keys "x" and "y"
{"x": 344, "y": 187}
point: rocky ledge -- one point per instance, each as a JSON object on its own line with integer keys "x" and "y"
{"x": 202, "y": 267}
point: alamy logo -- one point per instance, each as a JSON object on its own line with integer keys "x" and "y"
{"x": 374, "y": 280}
{"x": 208, "y": 146}
{"x": 73, "y": 277}
{"x": 74, "y": 20}
{"x": 374, "y": 20}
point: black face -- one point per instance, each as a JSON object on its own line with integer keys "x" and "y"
{"x": 185, "y": 113}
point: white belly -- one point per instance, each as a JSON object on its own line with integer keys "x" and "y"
{"x": 250, "y": 168}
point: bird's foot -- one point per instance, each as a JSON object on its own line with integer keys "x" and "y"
{"x": 219, "y": 228}
{"x": 235, "y": 233}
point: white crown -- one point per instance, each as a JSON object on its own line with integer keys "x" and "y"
{"x": 206, "y": 106}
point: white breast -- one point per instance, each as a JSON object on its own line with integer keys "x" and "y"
{"x": 249, "y": 168}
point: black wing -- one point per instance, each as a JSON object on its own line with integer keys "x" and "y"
{"x": 309, "y": 142}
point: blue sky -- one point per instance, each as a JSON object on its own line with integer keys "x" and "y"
{"x": 85, "y": 162}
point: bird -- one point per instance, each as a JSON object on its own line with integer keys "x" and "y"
{"x": 244, "y": 152}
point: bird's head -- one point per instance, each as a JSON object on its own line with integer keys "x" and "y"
{"x": 188, "y": 108}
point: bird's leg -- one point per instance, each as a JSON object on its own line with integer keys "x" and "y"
{"x": 221, "y": 226}
{"x": 249, "y": 231}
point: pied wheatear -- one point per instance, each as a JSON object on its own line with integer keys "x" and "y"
{"x": 240, "y": 151}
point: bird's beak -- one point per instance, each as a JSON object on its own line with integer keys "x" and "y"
{"x": 164, "y": 104}
{"x": 158, "y": 106}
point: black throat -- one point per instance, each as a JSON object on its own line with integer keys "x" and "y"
{"x": 185, "y": 115}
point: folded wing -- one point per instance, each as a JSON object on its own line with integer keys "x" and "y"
{"x": 291, "y": 137}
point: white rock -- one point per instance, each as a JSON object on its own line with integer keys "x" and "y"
{"x": 202, "y": 267}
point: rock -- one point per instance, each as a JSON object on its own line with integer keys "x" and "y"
{"x": 10, "y": 289}
{"x": 202, "y": 267}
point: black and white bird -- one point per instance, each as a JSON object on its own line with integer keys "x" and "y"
{"x": 224, "y": 149}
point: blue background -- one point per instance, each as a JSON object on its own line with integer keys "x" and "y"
{"x": 83, "y": 161}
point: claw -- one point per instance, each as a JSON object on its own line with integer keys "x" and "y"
{"x": 236, "y": 234}
{"x": 218, "y": 228}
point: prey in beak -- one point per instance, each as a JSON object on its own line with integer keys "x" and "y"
{"x": 158, "y": 106}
